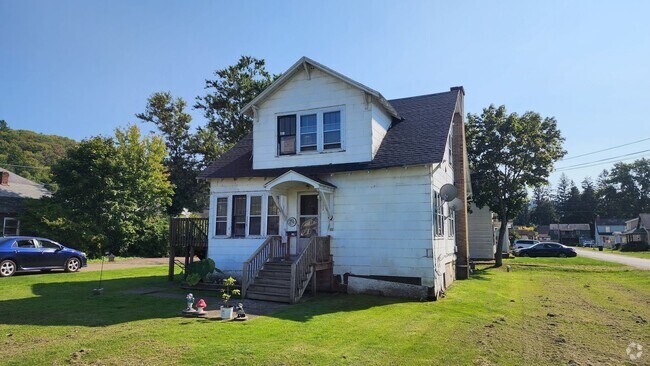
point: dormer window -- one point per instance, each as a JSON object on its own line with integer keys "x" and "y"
{"x": 310, "y": 131}
{"x": 287, "y": 134}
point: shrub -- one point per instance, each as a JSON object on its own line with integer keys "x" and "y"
{"x": 635, "y": 246}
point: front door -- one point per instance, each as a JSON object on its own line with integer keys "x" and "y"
{"x": 307, "y": 219}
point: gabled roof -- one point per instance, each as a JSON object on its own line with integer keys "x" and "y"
{"x": 570, "y": 227}
{"x": 20, "y": 187}
{"x": 610, "y": 222}
{"x": 644, "y": 219}
{"x": 419, "y": 138}
{"x": 303, "y": 64}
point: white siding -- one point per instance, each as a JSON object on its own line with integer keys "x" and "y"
{"x": 381, "y": 122}
{"x": 382, "y": 223}
{"x": 444, "y": 248}
{"x": 481, "y": 233}
{"x": 302, "y": 93}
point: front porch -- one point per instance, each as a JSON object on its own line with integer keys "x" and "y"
{"x": 273, "y": 273}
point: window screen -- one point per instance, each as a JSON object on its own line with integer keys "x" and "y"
{"x": 287, "y": 134}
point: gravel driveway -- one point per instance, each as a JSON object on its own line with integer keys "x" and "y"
{"x": 640, "y": 263}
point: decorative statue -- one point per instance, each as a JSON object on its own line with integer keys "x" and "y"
{"x": 190, "y": 301}
{"x": 200, "y": 305}
{"x": 241, "y": 315}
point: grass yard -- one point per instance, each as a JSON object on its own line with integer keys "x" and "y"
{"x": 645, "y": 255}
{"x": 544, "y": 312}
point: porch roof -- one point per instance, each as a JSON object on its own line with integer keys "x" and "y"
{"x": 291, "y": 179}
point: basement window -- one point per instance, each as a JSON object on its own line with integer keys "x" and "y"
{"x": 11, "y": 227}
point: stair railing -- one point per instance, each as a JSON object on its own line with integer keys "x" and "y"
{"x": 272, "y": 247}
{"x": 302, "y": 269}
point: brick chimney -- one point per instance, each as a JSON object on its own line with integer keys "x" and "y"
{"x": 459, "y": 160}
{"x": 4, "y": 178}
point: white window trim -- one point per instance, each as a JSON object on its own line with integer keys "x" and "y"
{"x": 319, "y": 129}
{"x": 4, "y": 224}
{"x": 229, "y": 195}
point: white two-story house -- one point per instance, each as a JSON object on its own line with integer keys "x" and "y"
{"x": 334, "y": 177}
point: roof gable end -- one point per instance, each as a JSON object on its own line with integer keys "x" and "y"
{"x": 304, "y": 64}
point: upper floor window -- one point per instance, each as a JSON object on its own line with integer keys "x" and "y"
{"x": 311, "y": 131}
{"x": 287, "y": 134}
{"x": 332, "y": 130}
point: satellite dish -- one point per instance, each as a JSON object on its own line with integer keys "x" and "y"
{"x": 456, "y": 204}
{"x": 448, "y": 192}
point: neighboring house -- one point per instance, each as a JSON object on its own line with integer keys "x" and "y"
{"x": 569, "y": 233}
{"x": 482, "y": 242}
{"x": 524, "y": 232}
{"x": 609, "y": 232}
{"x": 331, "y": 158}
{"x": 638, "y": 230}
{"x": 543, "y": 232}
{"x": 14, "y": 190}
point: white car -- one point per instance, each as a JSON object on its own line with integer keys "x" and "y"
{"x": 524, "y": 243}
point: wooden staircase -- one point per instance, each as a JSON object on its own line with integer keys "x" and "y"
{"x": 270, "y": 274}
{"x": 273, "y": 282}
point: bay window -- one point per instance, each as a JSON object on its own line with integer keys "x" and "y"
{"x": 272, "y": 218}
{"x": 239, "y": 216}
{"x": 255, "y": 216}
{"x": 221, "y": 216}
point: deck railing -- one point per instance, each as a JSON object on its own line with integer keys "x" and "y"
{"x": 188, "y": 232}
{"x": 272, "y": 247}
{"x": 302, "y": 270}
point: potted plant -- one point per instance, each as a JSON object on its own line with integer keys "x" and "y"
{"x": 226, "y": 311}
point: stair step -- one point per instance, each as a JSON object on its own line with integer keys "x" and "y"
{"x": 274, "y": 274}
{"x": 272, "y": 281}
{"x": 256, "y": 295}
{"x": 276, "y": 290}
{"x": 272, "y": 267}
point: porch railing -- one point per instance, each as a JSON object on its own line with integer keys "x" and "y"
{"x": 272, "y": 247}
{"x": 302, "y": 270}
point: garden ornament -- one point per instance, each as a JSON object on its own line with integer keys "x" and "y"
{"x": 189, "y": 299}
{"x": 200, "y": 305}
{"x": 241, "y": 315}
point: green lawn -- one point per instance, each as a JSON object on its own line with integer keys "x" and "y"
{"x": 645, "y": 255}
{"x": 497, "y": 317}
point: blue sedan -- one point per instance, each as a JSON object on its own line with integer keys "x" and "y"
{"x": 26, "y": 253}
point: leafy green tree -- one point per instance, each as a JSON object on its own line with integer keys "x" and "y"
{"x": 588, "y": 202}
{"x": 232, "y": 89}
{"x": 624, "y": 191}
{"x": 112, "y": 195}
{"x": 169, "y": 116}
{"x": 509, "y": 153}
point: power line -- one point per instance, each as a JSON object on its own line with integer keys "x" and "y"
{"x": 607, "y": 162}
{"x": 602, "y": 160}
{"x": 609, "y": 148}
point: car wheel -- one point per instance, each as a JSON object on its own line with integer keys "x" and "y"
{"x": 7, "y": 268}
{"x": 562, "y": 255}
{"x": 523, "y": 254}
{"x": 72, "y": 265}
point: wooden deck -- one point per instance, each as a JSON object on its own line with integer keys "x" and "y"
{"x": 185, "y": 236}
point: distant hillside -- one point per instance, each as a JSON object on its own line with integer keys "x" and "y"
{"x": 25, "y": 150}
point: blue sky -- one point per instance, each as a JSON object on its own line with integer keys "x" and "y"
{"x": 82, "y": 68}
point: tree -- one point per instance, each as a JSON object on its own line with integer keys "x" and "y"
{"x": 625, "y": 190}
{"x": 562, "y": 194}
{"x": 588, "y": 202}
{"x": 112, "y": 196}
{"x": 233, "y": 88}
{"x": 543, "y": 212}
{"x": 169, "y": 116}
{"x": 507, "y": 154}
